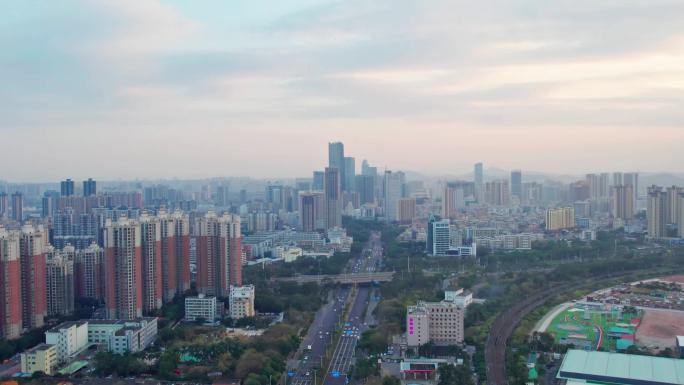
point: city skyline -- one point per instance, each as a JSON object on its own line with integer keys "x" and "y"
{"x": 241, "y": 88}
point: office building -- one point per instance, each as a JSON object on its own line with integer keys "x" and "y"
{"x": 393, "y": 184}
{"x": 89, "y": 187}
{"x": 175, "y": 253}
{"x": 40, "y": 358}
{"x": 623, "y": 201}
{"x": 365, "y": 186}
{"x": 478, "y": 178}
{"x": 150, "y": 252}
{"x": 333, "y": 197}
{"x": 18, "y": 206}
{"x": 241, "y": 302}
{"x": 89, "y": 276}
{"x": 202, "y": 307}
{"x": 438, "y": 237}
{"x": 4, "y": 208}
{"x": 604, "y": 185}
{"x": 33, "y": 244}
{"x": 10, "y": 285}
{"x": 222, "y": 195}
{"x": 123, "y": 269}
{"x": 69, "y": 339}
{"x": 67, "y": 187}
{"x": 560, "y": 218}
{"x": 439, "y": 323}
{"x": 349, "y": 173}
{"x": 60, "y": 282}
{"x": 516, "y": 184}
{"x": 406, "y": 210}
{"x": 656, "y": 212}
{"x": 49, "y": 203}
{"x": 454, "y": 197}
{"x": 336, "y": 160}
{"x": 219, "y": 253}
{"x": 496, "y": 193}
{"x": 318, "y": 181}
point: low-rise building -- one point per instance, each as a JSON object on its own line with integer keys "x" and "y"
{"x": 202, "y": 307}
{"x": 121, "y": 337}
{"x": 241, "y": 301}
{"x": 69, "y": 338}
{"x": 40, "y": 358}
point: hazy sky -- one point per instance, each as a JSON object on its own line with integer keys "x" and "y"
{"x": 140, "y": 88}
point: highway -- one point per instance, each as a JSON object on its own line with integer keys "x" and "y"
{"x": 344, "y": 355}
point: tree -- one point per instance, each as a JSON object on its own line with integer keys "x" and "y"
{"x": 391, "y": 380}
{"x": 167, "y": 363}
{"x": 454, "y": 375}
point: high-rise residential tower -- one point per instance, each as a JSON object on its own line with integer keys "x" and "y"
{"x": 308, "y": 210}
{"x": 175, "y": 253}
{"x": 4, "y": 208}
{"x": 123, "y": 269}
{"x": 10, "y": 285}
{"x": 89, "y": 276}
{"x": 67, "y": 187}
{"x": 656, "y": 211}
{"x": 623, "y": 201}
{"x": 89, "y": 187}
{"x": 60, "y": 282}
{"x": 33, "y": 245}
{"x": 478, "y": 178}
{"x": 219, "y": 257}
{"x": 18, "y": 206}
{"x": 150, "y": 252}
{"x": 349, "y": 173}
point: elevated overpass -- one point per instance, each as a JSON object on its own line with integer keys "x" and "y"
{"x": 347, "y": 279}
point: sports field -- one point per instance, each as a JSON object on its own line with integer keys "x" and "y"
{"x": 591, "y": 329}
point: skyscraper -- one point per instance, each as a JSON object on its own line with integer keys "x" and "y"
{"x": 222, "y": 197}
{"x": 150, "y": 252}
{"x": 18, "y": 206}
{"x": 3, "y": 205}
{"x": 349, "y": 173}
{"x": 60, "y": 282}
{"x": 333, "y": 197}
{"x": 604, "y": 185}
{"x": 478, "y": 176}
{"x": 89, "y": 276}
{"x": 67, "y": 187}
{"x": 680, "y": 216}
{"x": 10, "y": 285}
{"x": 656, "y": 205}
{"x": 593, "y": 183}
{"x": 453, "y": 199}
{"x": 175, "y": 253}
{"x": 89, "y": 187}
{"x": 623, "y": 201}
{"x": 219, "y": 257}
{"x": 33, "y": 243}
{"x": 392, "y": 187}
{"x": 318, "y": 181}
{"x": 123, "y": 269}
{"x": 632, "y": 179}
{"x": 365, "y": 186}
{"x": 496, "y": 193}
{"x": 672, "y": 204}
{"x": 308, "y": 210}
{"x": 438, "y": 237}
{"x": 516, "y": 183}
{"x": 406, "y": 210}
{"x": 336, "y": 159}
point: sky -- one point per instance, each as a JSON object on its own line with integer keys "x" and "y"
{"x": 132, "y": 89}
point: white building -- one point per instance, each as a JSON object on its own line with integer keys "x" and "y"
{"x": 121, "y": 337}
{"x": 459, "y": 297}
{"x": 205, "y": 307}
{"x": 438, "y": 322}
{"x": 40, "y": 358}
{"x": 69, "y": 339}
{"x": 241, "y": 301}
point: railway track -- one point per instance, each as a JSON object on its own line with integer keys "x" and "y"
{"x": 505, "y": 323}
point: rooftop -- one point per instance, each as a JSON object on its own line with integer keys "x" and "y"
{"x": 621, "y": 368}
{"x": 66, "y": 325}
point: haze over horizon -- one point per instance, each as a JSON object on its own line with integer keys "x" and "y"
{"x": 170, "y": 89}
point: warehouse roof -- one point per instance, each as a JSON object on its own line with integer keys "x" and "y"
{"x": 621, "y": 368}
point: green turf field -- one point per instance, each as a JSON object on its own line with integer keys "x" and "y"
{"x": 572, "y": 323}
